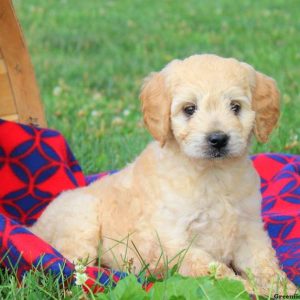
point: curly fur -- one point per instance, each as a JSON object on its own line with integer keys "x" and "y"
{"x": 177, "y": 189}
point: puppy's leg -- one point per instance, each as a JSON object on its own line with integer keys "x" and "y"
{"x": 255, "y": 253}
{"x": 197, "y": 262}
{"x": 71, "y": 225}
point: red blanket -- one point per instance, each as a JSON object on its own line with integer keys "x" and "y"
{"x": 37, "y": 164}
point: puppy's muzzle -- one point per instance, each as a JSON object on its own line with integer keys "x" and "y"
{"x": 217, "y": 144}
{"x": 218, "y": 140}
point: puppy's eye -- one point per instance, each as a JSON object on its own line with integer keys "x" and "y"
{"x": 235, "y": 107}
{"x": 189, "y": 109}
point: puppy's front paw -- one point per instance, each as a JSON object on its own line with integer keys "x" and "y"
{"x": 215, "y": 269}
{"x": 272, "y": 280}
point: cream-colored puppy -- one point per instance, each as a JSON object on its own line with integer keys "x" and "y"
{"x": 194, "y": 188}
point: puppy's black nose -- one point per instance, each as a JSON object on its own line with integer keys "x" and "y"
{"x": 218, "y": 139}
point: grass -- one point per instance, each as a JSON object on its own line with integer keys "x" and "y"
{"x": 36, "y": 284}
{"x": 90, "y": 58}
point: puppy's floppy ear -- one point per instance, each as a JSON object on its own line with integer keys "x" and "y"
{"x": 156, "y": 107}
{"x": 265, "y": 102}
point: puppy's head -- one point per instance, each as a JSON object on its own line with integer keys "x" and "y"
{"x": 210, "y": 106}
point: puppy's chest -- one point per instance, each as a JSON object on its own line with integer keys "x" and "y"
{"x": 219, "y": 218}
{"x": 208, "y": 218}
{"x": 214, "y": 228}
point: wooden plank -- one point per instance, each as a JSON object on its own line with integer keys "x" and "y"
{"x": 7, "y": 102}
{"x": 2, "y": 66}
{"x": 10, "y": 117}
{"x": 19, "y": 67}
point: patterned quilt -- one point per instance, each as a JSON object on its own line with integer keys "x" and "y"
{"x": 37, "y": 164}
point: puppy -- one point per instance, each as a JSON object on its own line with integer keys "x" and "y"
{"x": 194, "y": 189}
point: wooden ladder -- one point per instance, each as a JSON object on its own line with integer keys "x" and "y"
{"x": 19, "y": 94}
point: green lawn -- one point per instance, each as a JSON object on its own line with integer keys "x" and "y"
{"x": 95, "y": 54}
{"x": 91, "y": 56}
